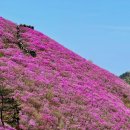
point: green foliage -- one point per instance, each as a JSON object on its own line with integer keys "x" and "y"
{"x": 9, "y": 107}
{"x": 1, "y": 54}
{"x": 126, "y": 77}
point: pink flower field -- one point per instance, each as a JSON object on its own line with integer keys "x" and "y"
{"x": 58, "y": 89}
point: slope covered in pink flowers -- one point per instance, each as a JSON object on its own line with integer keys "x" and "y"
{"x": 57, "y": 89}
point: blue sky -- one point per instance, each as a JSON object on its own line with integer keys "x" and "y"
{"x": 98, "y": 30}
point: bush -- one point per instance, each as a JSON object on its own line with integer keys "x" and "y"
{"x": 29, "y": 26}
{"x": 1, "y": 54}
{"x": 126, "y": 77}
{"x": 9, "y": 107}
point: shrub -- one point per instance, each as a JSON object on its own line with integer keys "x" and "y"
{"x": 9, "y": 107}
{"x": 126, "y": 77}
{"x": 29, "y": 26}
{"x": 1, "y": 54}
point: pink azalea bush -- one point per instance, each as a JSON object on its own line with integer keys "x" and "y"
{"x": 58, "y": 89}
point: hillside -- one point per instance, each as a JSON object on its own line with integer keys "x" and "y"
{"x": 126, "y": 76}
{"x": 58, "y": 89}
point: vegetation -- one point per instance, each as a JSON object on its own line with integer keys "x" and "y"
{"x": 1, "y": 54}
{"x": 9, "y": 107}
{"x": 20, "y": 43}
{"x": 126, "y": 77}
{"x": 29, "y": 26}
{"x": 59, "y": 90}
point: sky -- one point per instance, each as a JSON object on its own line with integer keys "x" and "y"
{"x": 98, "y": 30}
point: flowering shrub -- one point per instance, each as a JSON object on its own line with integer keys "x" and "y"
{"x": 58, "y": 89}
